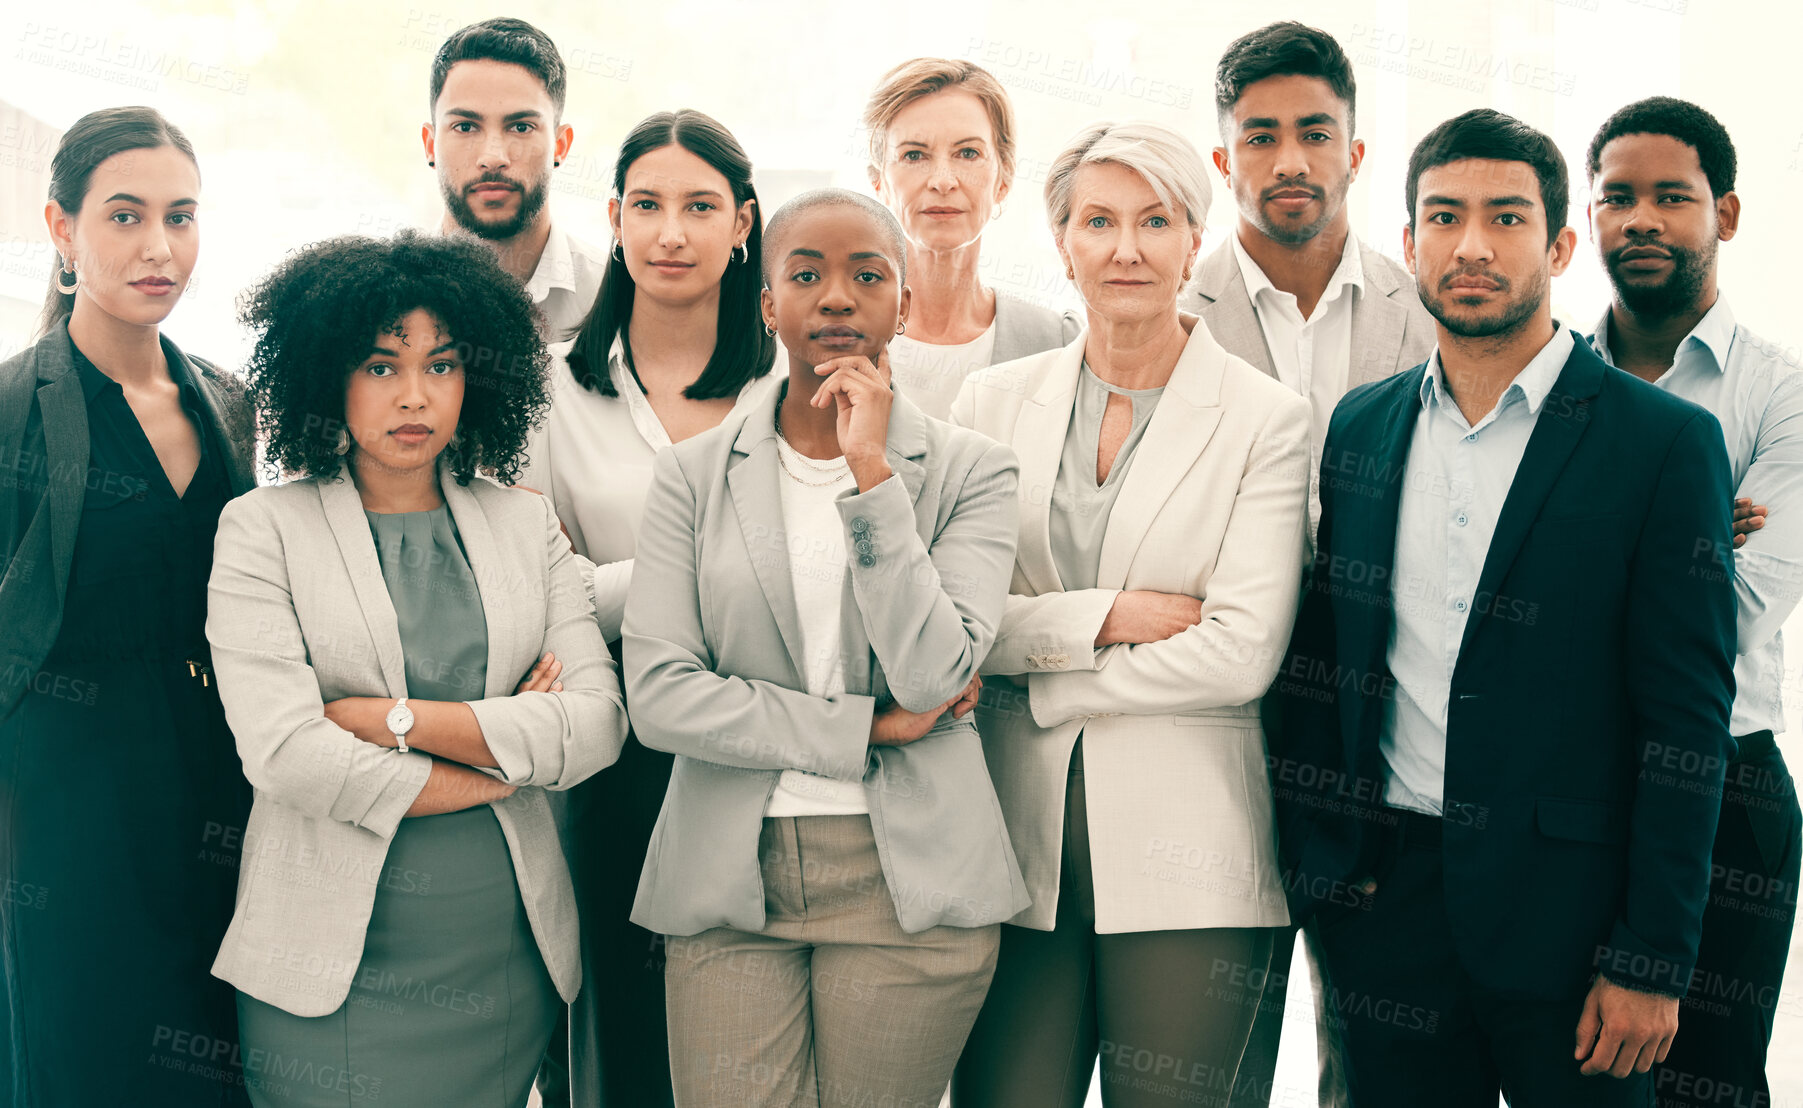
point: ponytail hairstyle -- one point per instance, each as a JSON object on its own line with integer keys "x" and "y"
{"x": 742, "y": 350}
{"x": 93, "y": 139}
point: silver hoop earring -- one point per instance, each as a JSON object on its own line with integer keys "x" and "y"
{"x": 343, "y": 445}
{"x": 769, "y": 330}
{"x": 744, "y": 253}
{"x": 901, "y": 328}
{"x": 67, "y": 287}
{"x": 620, "y": 252}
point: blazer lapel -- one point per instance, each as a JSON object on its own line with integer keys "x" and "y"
{"x": 752, "y": 482}
{"x": 63, "y": 408}
{"x": 1038, "y": 442}
{"x": 487, "y": 567}
{"x": 1564, "y": 416}
{"x": 1181, "y": 426}
{"x": 1377, "y": 325}
{"x": 1368, "y": 536}
{"x": 344, "y": 514}
{"x": 1227, "y": 309}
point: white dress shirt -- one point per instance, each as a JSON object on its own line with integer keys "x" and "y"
{"x": 1754, "y": 390}
{"x": 1454, "y": 486}
{"x": 593, "y": 458}
{"x": 565, "y": 283}
{"x": 1312, "y": 356}
{"x": 930, "y": 375}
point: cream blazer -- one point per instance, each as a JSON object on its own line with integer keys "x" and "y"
{"x": 1215, "y": 506}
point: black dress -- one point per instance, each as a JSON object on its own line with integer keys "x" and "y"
{"x": 122, "y": 800}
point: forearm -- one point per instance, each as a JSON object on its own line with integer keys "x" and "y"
{"x": 444, "y": 728}
{"x": 453, "y": 788}
{"x": 931, "y": 613}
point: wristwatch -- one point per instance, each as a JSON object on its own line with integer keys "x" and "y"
{"x": 400, "y": 721}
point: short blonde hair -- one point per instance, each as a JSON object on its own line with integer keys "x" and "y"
{"x": 920, "y": 77}
{"x": 1170, "y": 163}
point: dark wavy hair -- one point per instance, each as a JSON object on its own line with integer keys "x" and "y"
{"x": 1487, "y": 134}
{"x": 1680, "y": 119}
{"x": 502, "y": 39}
{"x": 90, "y": 140}
{"x": 1286, "y": 49}
{"x": 742, "y": 351}
{"x": 316, "y": 315}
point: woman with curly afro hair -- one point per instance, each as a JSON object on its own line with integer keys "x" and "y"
{"x": 405, "y": 920}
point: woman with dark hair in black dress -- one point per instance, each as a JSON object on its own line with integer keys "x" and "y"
{"x": 122, "y": 802}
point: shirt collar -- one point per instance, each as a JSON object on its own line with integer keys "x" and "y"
{"x": 1349, "y": 274}
{"x": 1532, "y": 385}
{"x": 555, "y": 268}
{"x": 1714, "y": 333}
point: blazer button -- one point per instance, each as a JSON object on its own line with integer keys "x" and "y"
{"x": 1032, "y": 661}
{"x": 859, "y": 525}
{"x": 862, "y": 546}
{"x": 866, "y": 560}
{"x": 1064, "y": 659}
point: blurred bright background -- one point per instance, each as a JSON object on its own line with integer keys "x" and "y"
{"x": 306, "y": 118}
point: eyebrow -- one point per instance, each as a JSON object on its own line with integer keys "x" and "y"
{"x": 1317, "y": 119}
{"x": 130, "y": 199}
{"x": 654, "y": 192}
{"x": 955, "y": 142}
{"x": 466, "y": 113}
{"x": 1489, "y": 202}
{"x": 383, "y": 351}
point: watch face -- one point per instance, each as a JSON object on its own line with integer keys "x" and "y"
{"x": 400, "y": 719}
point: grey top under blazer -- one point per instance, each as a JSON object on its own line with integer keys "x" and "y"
{"x": 711, "y": 661}
{"x": 1391, "y": 331}
{"x": 43, "y": 483}
{"x": 298, "y": 615}
{"x": 1022, "y": 328}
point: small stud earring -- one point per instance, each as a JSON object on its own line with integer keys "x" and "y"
{"x": 432, "y": 164}
{"x": 555, "y": 164}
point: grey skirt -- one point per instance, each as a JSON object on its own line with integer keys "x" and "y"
{"x": 451, "y": 1003}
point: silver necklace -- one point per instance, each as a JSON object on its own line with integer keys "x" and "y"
{"x": 836, "y": 470}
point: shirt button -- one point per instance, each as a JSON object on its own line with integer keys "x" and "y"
{"x": 1462, "y": 519}
{"x": 1459, "y": 605}
{"x": 1471, "y": 437}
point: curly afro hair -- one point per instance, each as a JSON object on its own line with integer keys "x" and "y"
{"x": 316, "y": 315}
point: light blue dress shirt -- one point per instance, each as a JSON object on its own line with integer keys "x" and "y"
{"x": 1454, "y": 485}
{"x": 1756, "y": 392}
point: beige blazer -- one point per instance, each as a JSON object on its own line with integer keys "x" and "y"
{"x": 1215, "y": 506}
{"x": 297, "y": 615}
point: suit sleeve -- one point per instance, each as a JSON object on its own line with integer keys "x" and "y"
{"x": 1679, "y": 665}
{"x": 931, "y": 612}
{"x": 290, "y": 750}
{"x": 559, "y": 739}
{"x": 1231, "y": 656}
{"x": 679, "y": 703}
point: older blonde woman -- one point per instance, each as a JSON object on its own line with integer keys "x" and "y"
{"x": 1164, "y": 497}
{"x": 942, "y": 159}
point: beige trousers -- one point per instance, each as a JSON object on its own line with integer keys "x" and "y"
{"x": 832, "y": 1003}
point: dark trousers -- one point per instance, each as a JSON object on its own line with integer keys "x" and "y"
{"x": 617, "y": 1051}
{"x": 1725, "y": 1023}
{"x": 1418, "y": 1031}
{"x": 1167, "y": 1012}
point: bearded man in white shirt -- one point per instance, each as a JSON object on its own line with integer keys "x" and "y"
{"x": 496, "y": 134}
{"x": 1662, "y": 201}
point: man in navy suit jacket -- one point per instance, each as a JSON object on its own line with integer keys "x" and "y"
{"x": 1506, "y": 705}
